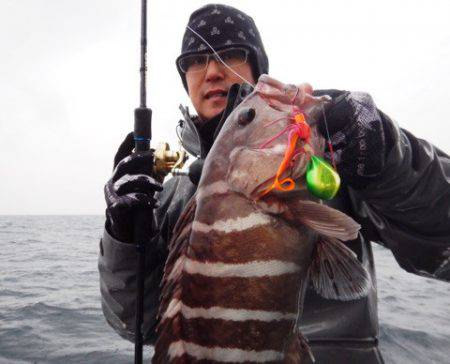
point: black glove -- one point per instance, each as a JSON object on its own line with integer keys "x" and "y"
{"x": 360, "y": 137}
{"x": 131, "y": 188}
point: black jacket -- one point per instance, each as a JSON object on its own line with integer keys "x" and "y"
{"x": 406, "y": 209}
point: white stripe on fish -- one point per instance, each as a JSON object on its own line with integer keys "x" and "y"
{"x": 255, "y": 219}
{"x": 178, "y": 348}
{"x": 275, "y": 149}
{"x": 229, "y": 314}
{"x": 215, "y": 188}
{"x": 266, "y": 268}
{"x": 278, "y": 148}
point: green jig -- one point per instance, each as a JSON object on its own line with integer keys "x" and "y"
{"x": 321, "y": 179}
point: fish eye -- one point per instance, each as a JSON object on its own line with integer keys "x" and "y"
{"x": 246, "y": 116}
{"x": 243, "y": 92}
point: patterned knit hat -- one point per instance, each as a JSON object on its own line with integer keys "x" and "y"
{"x": 223, "y": 26}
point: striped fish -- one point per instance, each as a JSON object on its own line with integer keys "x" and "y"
{"x": 240, "y": 259}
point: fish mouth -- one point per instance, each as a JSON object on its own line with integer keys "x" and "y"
{"x": 265, "y": 190}
{"x": 253, "y": 172}
{"x": 284, "y": 184}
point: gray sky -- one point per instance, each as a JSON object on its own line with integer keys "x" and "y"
{"x": 69, "y": 79}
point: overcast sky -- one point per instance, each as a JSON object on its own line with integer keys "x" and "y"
{"x": 69, "y": 79}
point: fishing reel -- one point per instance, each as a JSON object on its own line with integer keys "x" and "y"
{"x": 168, "y": 161}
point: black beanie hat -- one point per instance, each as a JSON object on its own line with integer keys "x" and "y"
{"x": 223, "y": 26}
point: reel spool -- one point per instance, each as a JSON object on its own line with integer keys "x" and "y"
{"x": 168, "y": 161}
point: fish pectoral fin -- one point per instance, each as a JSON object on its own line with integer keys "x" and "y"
{"x": 336, "y": 273}
{"x": 323, "y": 219}
{"x": 297, "y": 349}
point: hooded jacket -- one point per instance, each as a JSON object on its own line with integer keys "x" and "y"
{"x": 406, "y": 209}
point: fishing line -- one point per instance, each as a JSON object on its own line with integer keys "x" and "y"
{"x": 218, "y": 57}
{"x": 330, "y": 146}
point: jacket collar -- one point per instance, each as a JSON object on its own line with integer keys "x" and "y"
{"x": 188, "y": 132}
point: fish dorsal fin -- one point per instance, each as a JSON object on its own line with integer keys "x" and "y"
{"x": 323, "y": 219}
{"x": 336, "y": 273}
{"x": 178, "y": 244}
{"x": 171, "y": 282}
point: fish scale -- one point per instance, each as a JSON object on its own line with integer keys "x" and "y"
{"x": 237, "y": 263}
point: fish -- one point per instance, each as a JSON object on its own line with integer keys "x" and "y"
{"x": 252, "y": 239}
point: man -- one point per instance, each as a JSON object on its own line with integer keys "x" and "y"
{"x": 395, "y": 185}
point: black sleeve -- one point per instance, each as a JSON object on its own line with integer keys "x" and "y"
{"x": 117, "y": 266}
{"x": 407, "y": 207}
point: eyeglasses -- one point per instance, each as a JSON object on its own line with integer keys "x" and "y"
{"x": 232, "y": 57}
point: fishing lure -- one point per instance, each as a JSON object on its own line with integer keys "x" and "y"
{"x": 322, "y": 180}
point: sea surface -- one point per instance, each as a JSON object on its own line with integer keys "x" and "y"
{"x": 50, "y": 304}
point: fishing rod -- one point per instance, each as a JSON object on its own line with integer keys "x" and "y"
{"x": 164, "y": 161}
{"x": 142, "y": 137}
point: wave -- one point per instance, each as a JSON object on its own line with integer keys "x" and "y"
{"x": 400, "y": 345}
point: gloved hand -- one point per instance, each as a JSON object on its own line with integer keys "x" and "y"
{"x": 360, "y": 137}
{"x": 131, "y": 188}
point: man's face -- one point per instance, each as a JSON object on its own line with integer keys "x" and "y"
{"x": 208, "y": 89}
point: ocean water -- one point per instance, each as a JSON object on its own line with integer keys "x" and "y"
{"x": 50, "y": 305}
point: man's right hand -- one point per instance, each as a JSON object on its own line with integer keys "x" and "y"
{"x": 131, "y": 188}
